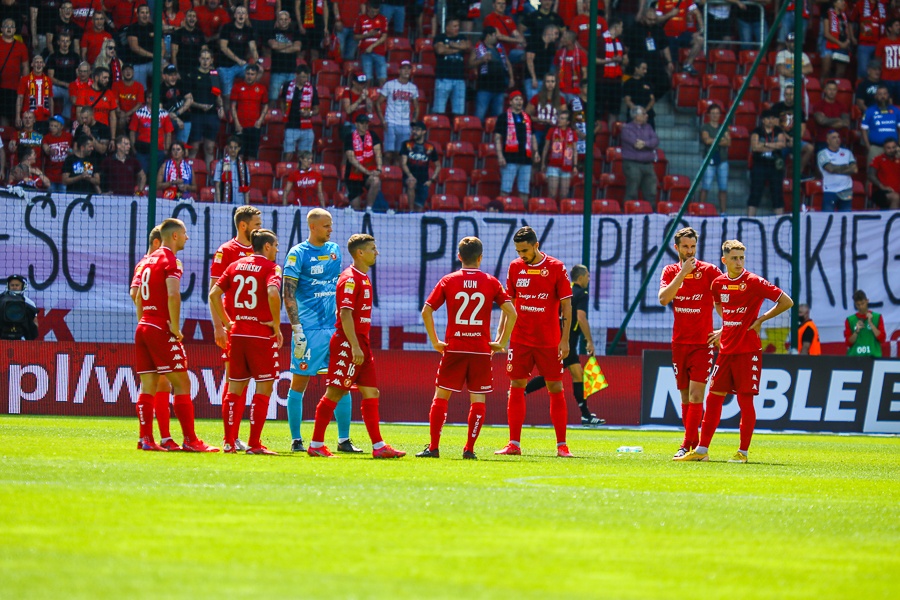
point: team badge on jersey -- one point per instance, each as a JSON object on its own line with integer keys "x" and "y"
{"x": 218, "y": 257}
{"x": 292, "y": 260}
{"x": 545, "y": 272}
{"x": 179, "y": 264}
{"x": 333, "y": 256}
{"x": 349, "y": 287}
{"x": 278, "y": 270}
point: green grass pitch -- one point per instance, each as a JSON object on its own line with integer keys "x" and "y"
{"x": 85, "y": 515}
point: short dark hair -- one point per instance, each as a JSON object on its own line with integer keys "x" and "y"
{"x": 889, "y": 140}
{"x": 487, "y": 31}
{"x": 24, "y": 150}
{"x": 685, "y": 232}
{"x": 245, "y": 214}
{"x": 859, "y": 295}
{"x": 169, "y": 225}
{"x": 525, "y": 234}
{"x": 98, "y": 71}
{"x": 82, "y": 140}
{"x": 577, "y": 271}
{"x": 470, "y": 250}
{"x": 302, "y": 69}
{"x": 357, "y": 241}
{"x": 155, "y": 235}
{"x": 252, "y": 67}
{"x": 260, "y": 237}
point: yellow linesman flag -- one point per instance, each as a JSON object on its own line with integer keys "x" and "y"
{"x": 594, "y": 380}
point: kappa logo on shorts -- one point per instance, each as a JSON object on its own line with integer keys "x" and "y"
{"x": 175, "y": 348}
{"x": 339, "y": 372}
{"x": 344, "y": 354}
{"x": 345, "y": 345}
{"x": 179, "y": 366}
{"x": 755, "y": 368}
{"x": 172, "y": 339}
{"x": 177, "y": 357}
{"x": 341, "y": 363}
{"x": 755, "y": 359}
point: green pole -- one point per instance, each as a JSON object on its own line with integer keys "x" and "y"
{"x": 796, "y": 134}
{"x": 696, "y": 180}
{"x": 154, "y": 110}
{"x": 589, "y": 139}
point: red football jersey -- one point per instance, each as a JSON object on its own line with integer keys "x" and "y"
{"x": 537, "y": 290}
{"x": 368, "y": 26}
{"x": 138, "y": 269}
{"x": 250, "y": 277}
{"x": 694, "y": 303}
{"x": 470, "y": 295}
{"x": 227, "y": 253}
{"x": 142, "y": 121}
{"x": 57, "y": 150}
{"x": 354, "y": 291}
{"x": 159, "y": 267}
{"x": 306, "y": 187}
{"x": 249, "y": 101}
{"x": 741, "y": 300}
{"x": 103, "y": 102}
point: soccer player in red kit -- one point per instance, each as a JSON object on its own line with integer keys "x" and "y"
{"x": 539, "y": 285}
{"x": 466, "y": 354}
{"x": 158, "y": 338}
{"x": 163, "y": 389}
{"x": 687, "y": 285}
{"x": 350, "y": 358}
{"x": 738, "y": 295}
{"x": 253, "y": 322}
{"x": 246, "y": 219}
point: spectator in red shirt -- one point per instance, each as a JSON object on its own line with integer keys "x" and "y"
{"x": 176, "y": 176}
{"x": 82, "y": 82}
{"x": 139, "y": 132}
{"x": 839, "y": 40}
{"x": 101, "y": 98}
{"x": 56, "y": 146}
{"x": 884, "y": 175}
{"x": 129, "y": 95}
{"x": 560, "y": 157}
{"x": 93, "y": 38}
{"x": 355, "y": 102}
{"x": 675, "y": 15}
{"x": 211, "y": 17}
{"x": 507, "y": 31}
{"x": 249, "y": 107}
{"x": 35, "y": 94}
{"x": 346, "y": 12}
{"x": 27, "y": 135}
{"x": 26, "y": 173}
{"x": 304, "y": 186}
{"x": 870, "y": 16}
{"x": 123, "y": 12}
{"x": 581, "y": 25}
{"x": 571, "y": 65}
{"x": 828, "y": 114}
{"x": 83, "y": 11}
{"x": 371, "y": 33}
{"x": 888, "y": 52}
{"x": 13, "y": 69}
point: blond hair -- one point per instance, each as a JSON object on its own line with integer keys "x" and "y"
{"x": 730, "y": 245}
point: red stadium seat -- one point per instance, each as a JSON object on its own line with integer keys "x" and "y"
{"x": 256, "y": 196}
{"x": 601, "y": 137}
{"x": 542, "y": 205}
{"x": 859, "y": 196}
{"x": 198, "y": 166}
{"x": 340, "y": 200}
{"x": 675, "y": 188}
{"x": 399, "y": 49}
{"x": 461, "y": 155}
{"x": 438, "y": 128}
{"x": 746, "y": 115}
{"x": 207, "y": 194}
{"x": 330, "y": 150}
{"x": 487, "y": 154}
{"x": 845, "y": 93}
{"x": 271, "y": 148}
{"x": 455, "y": 182}
{"x": 283, "y": 169}
{"x": 445, "y": 203}
{"x": 330, "y": 178}
{"x": 724, "y": 62}
{"x": 486, "y": 182}
{"x": 702, "y": 209}
{"x": 638, "y": 207}
{"x": 813, "y": 90}
{"x": 326, "y": 72}
{"x": 476, "y": 203}
{"x": 788, "y": 194}
{"x": 571, "y": 206}
{"x": 425, "y": 51}
{"x": 489, "y": 124}
{"x": 612, "y": 185}
{"x": 468, "y": 129}
{"x": 392, "y": 184}
{"x": 703, "y": 106}
{"x": 512, "y": 203}
{"x": 740, "y": 144}
{"x": 687, "y": 90}
{"x": 754, "y": 90}
{"x": 717, "y": 87}
{"x": 606, "y": 206}
{"x": 424, "y": 77}
{"x": 745, "y": 61}
{"x": 614, "y": 160}
{"x": 275, "y": 197}
{"x": 349, "y": 69}
{"x": 262, "y": 176}
{"x": 661, "y": 164}
{"x": 664, "y": 207}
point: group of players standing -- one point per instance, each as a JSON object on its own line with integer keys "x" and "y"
{"x": 330, "y": 312}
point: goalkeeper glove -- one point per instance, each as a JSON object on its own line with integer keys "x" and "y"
{"x": 299, "y": 342}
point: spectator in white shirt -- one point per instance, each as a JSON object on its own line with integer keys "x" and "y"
{"x": 397, "y": 106}
{"x": 837, "y": 165}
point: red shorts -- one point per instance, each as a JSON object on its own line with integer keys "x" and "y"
{"x": 253, "y": 357}
{"x": 458, "y": 368}
{"x": 342, "y": 373}
{"x": 521, "y": 360}
{"x": 692, "y": 362}
{"x": 157, "y": 351}
{"x": 737, "y": 373}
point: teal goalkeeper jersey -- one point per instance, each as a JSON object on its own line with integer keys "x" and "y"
{"x": 316, "y": 269}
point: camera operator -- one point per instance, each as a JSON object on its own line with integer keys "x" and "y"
{"x": 18, "y": 314}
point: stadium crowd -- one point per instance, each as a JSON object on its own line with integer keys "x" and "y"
{"x": 386, "y": 105}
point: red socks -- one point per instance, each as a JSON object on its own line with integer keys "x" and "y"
{"x": 233, "y": 413}
{"x": 436, "y": 418}
{"x": 515, "y": 413}
{"x": 476, "y": 419}
{"x": 684, "y": 413}
{"x": 691, "y": 415}
{"x": 144, "y": 409}
{"x": 748, "y": 419}
{"x": 258, "y": 411}
{"x": 711, "y": 419}
{"x": 184, "y": 410}
{"x": 370, "y": 418}
{"x": 324, "y": 413}
{"x": 558, "y": 415}
{"x": 161, "y": 409}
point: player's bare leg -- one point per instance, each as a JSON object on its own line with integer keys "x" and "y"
{"x": 369, "y": 405}
{"x": 150, "y": 383}
{"x": 691, "y": 415}
{"x": 259, "y": 408}
{"x": 184, "y": 411}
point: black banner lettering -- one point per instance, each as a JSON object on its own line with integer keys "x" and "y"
{"x": 42, "y": 202}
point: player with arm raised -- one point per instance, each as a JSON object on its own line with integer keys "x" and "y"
{"x": 158, "y": 338}
{"x": 738, "y": 295}
{"x": 539, "y": 286}
{"x": 246, "y": 219}
{"x": 466, "y": 354}
{"x": 687, "y": 286}
{"x": 311, "y": 273}
{"x": 163, "y": 389}
{"x": 350, "y": 357}
{"x": 253, "y": 322}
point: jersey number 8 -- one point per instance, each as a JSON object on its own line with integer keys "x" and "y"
{"x": 465, "y": 299}
{"x": 145, "y": 284}
{"x": 250, "y": 284}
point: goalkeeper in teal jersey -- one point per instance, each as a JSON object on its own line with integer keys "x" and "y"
{"x": 311, "y": 272}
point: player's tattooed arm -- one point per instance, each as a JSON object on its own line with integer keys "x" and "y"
{"x": 290, "y": 300}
